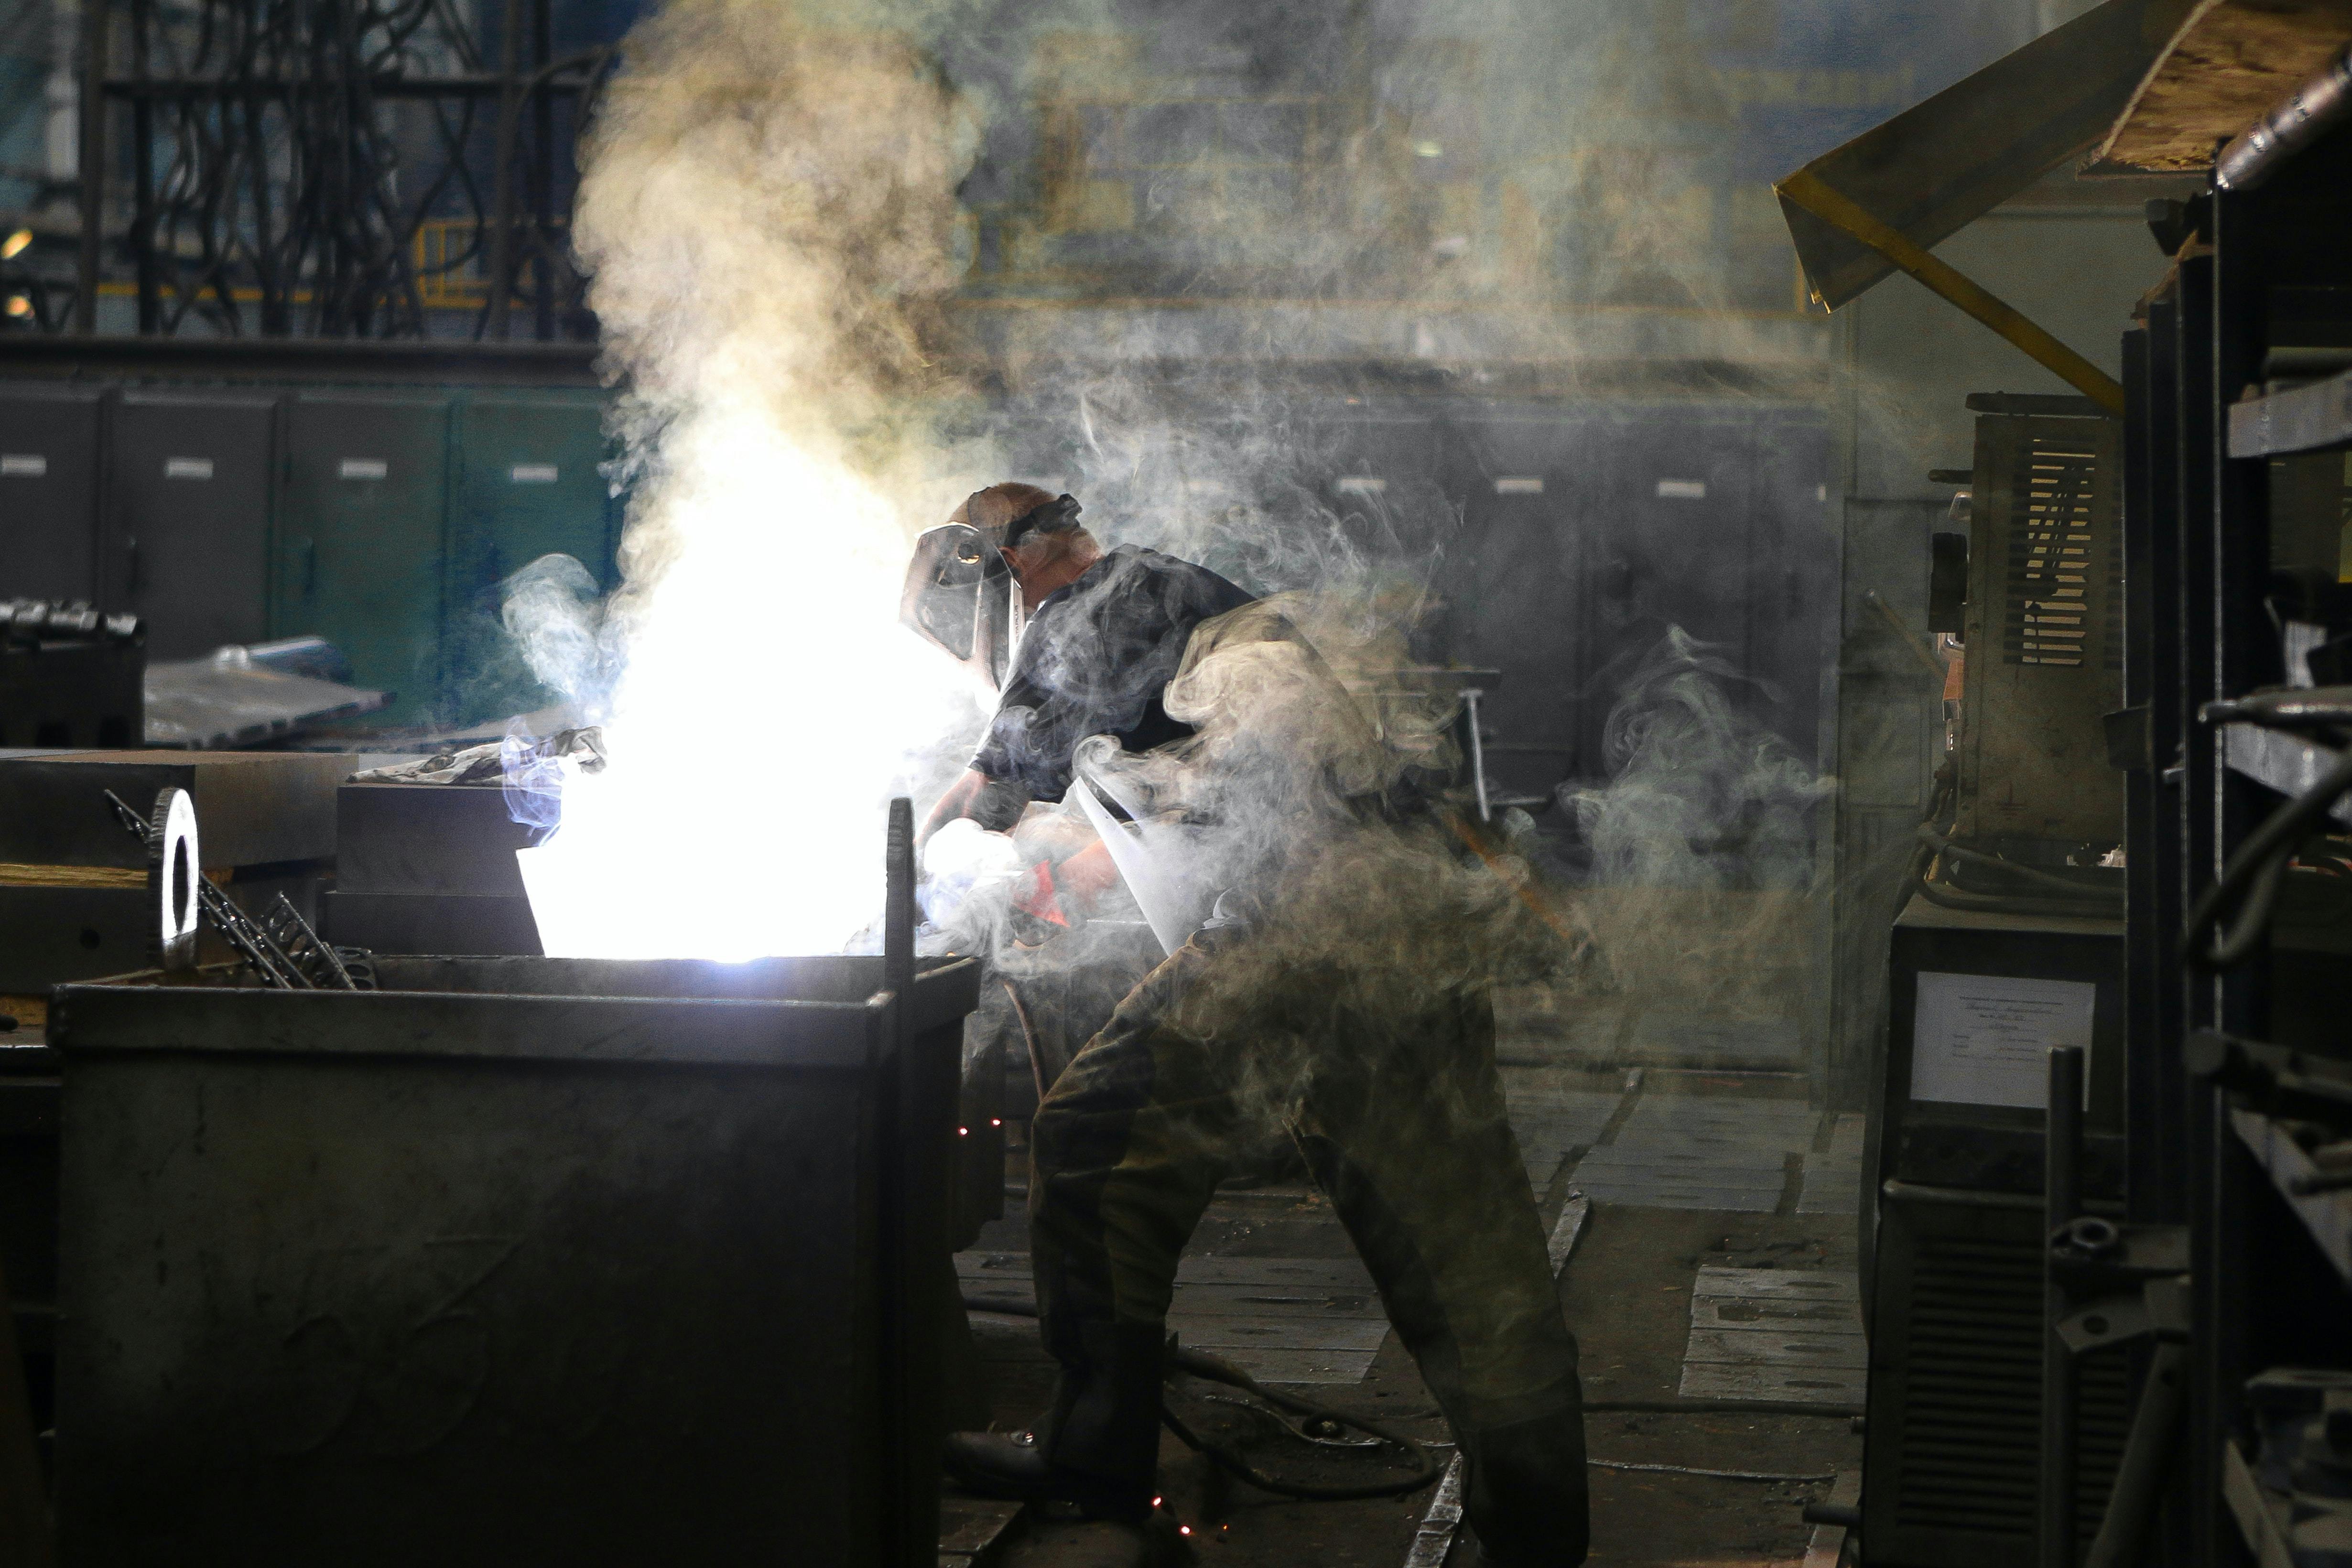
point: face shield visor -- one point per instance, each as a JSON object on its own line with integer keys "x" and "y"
{"x": 962, "y": 599}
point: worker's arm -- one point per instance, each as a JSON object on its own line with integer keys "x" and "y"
{"x": 959, "y": 801}
{"x": 1085, "y": 876}
{"x": 1065, "y": 891}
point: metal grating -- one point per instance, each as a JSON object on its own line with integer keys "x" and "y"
{"x": 1972, "y": 1430}
{"x": 2050, "y": 614}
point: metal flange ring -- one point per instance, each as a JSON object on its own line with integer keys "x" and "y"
{"x": 173, "y": 871}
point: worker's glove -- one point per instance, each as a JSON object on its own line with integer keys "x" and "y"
{"x": 1041, "y": 899}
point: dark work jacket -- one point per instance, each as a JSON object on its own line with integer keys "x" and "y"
{"x": 1094, "y": 660}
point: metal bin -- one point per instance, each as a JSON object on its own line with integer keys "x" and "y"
{"x": 514, "y": 1260}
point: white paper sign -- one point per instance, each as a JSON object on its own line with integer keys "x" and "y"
{"x": 1985, "y": 1040}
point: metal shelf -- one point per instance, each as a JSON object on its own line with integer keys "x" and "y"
{"x": 2280, "y": 760}
{"x": 2303, "y": 418}
{"x": 2326, "y": 1214}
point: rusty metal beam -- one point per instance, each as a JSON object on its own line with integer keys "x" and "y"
{"x": 1807, "y": 192}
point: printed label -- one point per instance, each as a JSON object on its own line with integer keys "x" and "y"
{"x": 363, "y": 468}
{"x": 187, "y": 467}
{"x": 533, "y": 472}
{"x": 1522, "y": 484}
{"x": 22, "y": 465}
{"x": 1682, "y": 489}
{"x": 1360, "y": 484}
{"x": 1985, "y": 1040}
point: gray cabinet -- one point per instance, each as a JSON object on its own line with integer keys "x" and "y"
{"x": 48, "y": 492}
{"x": 360, "y": 537}
{"x": 188, "y": 540}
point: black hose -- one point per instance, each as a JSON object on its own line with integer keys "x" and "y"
{"x": 2257, "y": 871}
{"x": 1724, "y": 1407}
{"x": 1936, "y": 892}
{"x": 1216, "y": 1369}
{"x": 2057, "y": 884}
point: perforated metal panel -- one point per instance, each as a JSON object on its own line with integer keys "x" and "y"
{"x": 1954, "y": 1454}
{"x": 2044, "y": 634}
{"x": 2060, "y": 599}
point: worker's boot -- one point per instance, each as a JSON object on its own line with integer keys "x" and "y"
{"x": 1525, "y": 1496}
{"x": 1099, "y": 1448}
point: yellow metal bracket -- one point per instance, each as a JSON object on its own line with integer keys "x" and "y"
{"x": 1809, "y": 192}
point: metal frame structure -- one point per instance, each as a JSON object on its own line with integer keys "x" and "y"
{"x": 317, "y": 166}
{"x": 2270, "y": 1287}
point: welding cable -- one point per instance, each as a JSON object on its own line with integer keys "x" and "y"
{"x": 1710, "y": 1475}
{"x": 2249, "y": 886}
{"x": 1946, "y": 897}
{"x": 1216, "y": 1369}
{"x": 1721, "y": 1407}
{"x": 2040, "y": 879}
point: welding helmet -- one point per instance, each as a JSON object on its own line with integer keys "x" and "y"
{"x": 960, "y": 596}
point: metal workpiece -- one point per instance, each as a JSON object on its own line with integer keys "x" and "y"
{"x": 510, "y": 1259}
{"x": 429, "y": 868}
{"x": 258, "y": 807}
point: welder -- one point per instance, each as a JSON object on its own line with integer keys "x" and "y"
{"x": 1395, "y": 1106}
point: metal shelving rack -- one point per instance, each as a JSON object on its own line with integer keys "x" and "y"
{"x": 2272, "y": 1266}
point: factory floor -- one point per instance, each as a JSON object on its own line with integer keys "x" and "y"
{"x": 1665, "y": 1297}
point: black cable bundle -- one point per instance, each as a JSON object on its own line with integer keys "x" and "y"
{"x": 293, "y": 188}
{"x": 1216, "y": 1369}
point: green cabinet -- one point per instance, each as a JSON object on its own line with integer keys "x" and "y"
{"x": 361, "y": 537}
{"x": 526, "y": 481}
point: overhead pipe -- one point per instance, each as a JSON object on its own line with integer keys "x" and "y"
{"x": 2255, "y": 152}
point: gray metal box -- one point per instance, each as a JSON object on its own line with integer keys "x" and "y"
{"x": 187, "y": 535}
{"x": 253, "y": 808}
{"x": 49, "y": 493}
{"x": 429, "y": 868}
{"x": 515, "y": 1260}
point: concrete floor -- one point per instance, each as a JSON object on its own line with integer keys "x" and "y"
{"x": 1626, "y": 1292}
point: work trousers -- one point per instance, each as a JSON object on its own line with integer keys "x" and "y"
{"x": 1399, "y": 1114}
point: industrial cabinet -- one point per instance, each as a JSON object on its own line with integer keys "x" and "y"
{"x": 48, "y": 492}
{"x": 526, "y": 481}
{"x": 186, "y": 543}
{"x": 1505, "y": 589}
{"x": 360, "y": 533}
{"x": 1585, "y": 538}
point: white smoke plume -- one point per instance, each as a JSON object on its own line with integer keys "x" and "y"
{"x": 767, "y": 209}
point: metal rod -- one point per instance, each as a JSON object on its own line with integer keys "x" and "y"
{"x": 477, "y": 84}
{"x": 1809, "y": 192}
{"x": 1470, "y": 695}
{"x": 2061, "y": 1201}
{"x": 542, "y": 171}
{"x": 898, "y": 910}
{"x": 142, "y": 192}
{"x": 503, "y": 202}
{"x": 2147, "y": 1458}
{"x": 89, "y": 162}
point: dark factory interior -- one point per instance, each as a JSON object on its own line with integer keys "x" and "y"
{"x": 1097, "y": 783}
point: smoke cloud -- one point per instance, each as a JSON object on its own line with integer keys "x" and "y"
{"x": 768, "y": 212}
{"x": 775, "y": 210}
